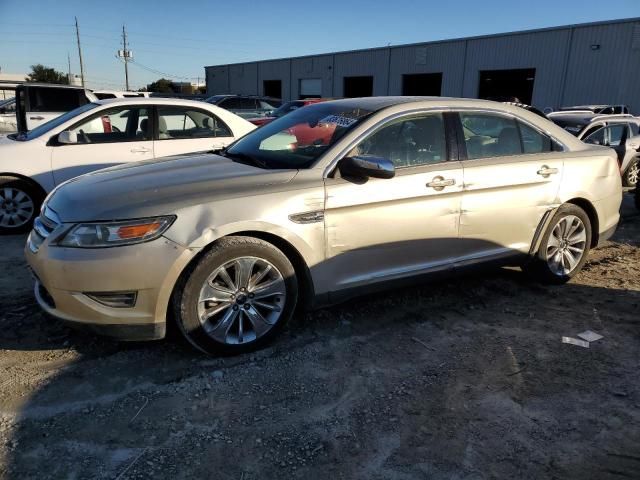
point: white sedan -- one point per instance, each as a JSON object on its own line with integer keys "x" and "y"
{"x": 98, "y": 135}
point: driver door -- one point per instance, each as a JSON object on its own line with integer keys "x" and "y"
{"x": 112, "y": 136}
{"x": 385, "y": 229}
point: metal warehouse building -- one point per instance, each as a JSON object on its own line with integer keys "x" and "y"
{"x": 578, "y": 64}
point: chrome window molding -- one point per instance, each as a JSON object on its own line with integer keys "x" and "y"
{"x": 418, "y": 111}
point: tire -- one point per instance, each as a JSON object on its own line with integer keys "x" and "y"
{"x": 234, "y": 320}
{"x": 19, "y": 205}
{"x": 545, "y": 266}
{"x": 630, "y": 177}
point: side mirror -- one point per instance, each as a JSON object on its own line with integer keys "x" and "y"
{"x": 367, "y": 166}
{"x": 67, "y": 137}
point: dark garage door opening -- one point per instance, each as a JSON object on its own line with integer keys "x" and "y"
{"x": 507, "y": 85}
{"x": 272, "y": 88}
{"x": 429, "y": 84}
{"x": 358, "y": 87}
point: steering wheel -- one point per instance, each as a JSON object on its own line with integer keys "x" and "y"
{"x": 85, "y": 137}
{"x": 115, "y": 129}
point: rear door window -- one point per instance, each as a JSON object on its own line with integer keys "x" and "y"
{"x": 489, "y": 135}
{"x": 180, "y": 123}
{"x": 596, "y": 137}
{"x": 534, "y": 141}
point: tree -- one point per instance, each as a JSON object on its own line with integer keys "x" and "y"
{"x": 40, "y": 73}
{"x": 161, "y": 86}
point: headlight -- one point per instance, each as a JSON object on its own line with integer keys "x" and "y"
{"x": 111, "y": 234}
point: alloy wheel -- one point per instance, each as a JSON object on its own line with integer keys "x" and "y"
{"x": 566, "y": 245}
{"x": 241, "y": 300}
{"x": 632, "y": 174}
{"x": 16, "y": 207}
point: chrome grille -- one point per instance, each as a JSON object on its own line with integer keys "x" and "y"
{"x": 46, "y": 223}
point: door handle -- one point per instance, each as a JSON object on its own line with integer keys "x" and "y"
{"x": 140, "y": 150}
{"x": 36, "y": 118}
{"x": 546, "y": 171}
{"x": 438, "y": 183}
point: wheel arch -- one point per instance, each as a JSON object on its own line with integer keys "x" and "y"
{"x": 29, "y": 180}
{"x": 591, "y": 212}
{"x": 303, "y": 273}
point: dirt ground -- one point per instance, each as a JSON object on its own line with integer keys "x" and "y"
{"x": 465, "y": 379}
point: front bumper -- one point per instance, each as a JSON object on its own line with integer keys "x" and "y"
{"x": 65, "y": 275}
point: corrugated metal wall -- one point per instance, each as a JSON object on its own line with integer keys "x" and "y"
{"x": 275, "y": 70}
{"x": 544, "y": 51}
{"x": 217, "y": 80}
{"x": 603, "y": 66}
{"x": 445, "y": 57}
{"x": 366, "y": 63}
{"x": 320, "y": 67}
{"x": 568, "y": 69}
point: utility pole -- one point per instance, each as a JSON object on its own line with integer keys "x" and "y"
{"x": 69, "y": 65}
{"x": 80, "y": 52}
{"x": 126, "y": 55}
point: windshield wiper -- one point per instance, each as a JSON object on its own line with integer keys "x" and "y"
{"x": 244, "y": 158}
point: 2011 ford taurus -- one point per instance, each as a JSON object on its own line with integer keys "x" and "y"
{"x": 228, "y": 245}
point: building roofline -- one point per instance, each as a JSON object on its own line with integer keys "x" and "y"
{"x": 436, "y": 42}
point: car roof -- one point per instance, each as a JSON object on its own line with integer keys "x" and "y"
{"x": 378, "y": 103}
{"x": 151, "y": 101}
{"x": 51, "y": 85}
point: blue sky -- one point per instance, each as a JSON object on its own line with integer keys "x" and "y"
{"x": 180, "y": 38}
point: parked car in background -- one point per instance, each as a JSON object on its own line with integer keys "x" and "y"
{"x": 247, "y": 106}
{"x": 37, "y": 103}
{"x": 285, "y": 108}
{"x": 530, "y": 108}
{"x": 621, "y": 134}
{"x": 573, "y": 119}
{"x": 228, "y": 246}
{"x": 98, "y": 135}
{"x": 8, "y": 122}
{"x": 105, "y": 94}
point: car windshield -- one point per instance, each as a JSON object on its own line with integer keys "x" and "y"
{"x": 215, "y": 98}
{"x": 56, "y": 122}
{"x": 287, "y": 108}
{"x": 297, "y": 139}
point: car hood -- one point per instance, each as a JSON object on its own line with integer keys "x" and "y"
{"x": 159, "y": 187}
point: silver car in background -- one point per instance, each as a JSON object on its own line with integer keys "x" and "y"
{"x": 331, "y": 200}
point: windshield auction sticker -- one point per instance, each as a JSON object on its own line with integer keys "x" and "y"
{"x": 339, "y": 120}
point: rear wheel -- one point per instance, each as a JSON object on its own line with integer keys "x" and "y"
{"x": 238, "y": 296}
{"x": 19, "y": 205}
{"x": 630, "y": 177}
{"x": 564, "y": 246}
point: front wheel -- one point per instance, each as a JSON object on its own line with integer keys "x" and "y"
{"x": 19, "y": 205}
{"x": 564, "y": 246}
{"x": 237, "y": 297}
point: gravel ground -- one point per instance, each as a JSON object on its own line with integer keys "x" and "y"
{"x": 466, "y": 379}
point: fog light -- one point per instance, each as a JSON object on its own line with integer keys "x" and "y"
{"x": 114, "y": 299}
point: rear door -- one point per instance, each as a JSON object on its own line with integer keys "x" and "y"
{"x": 512, "y": 175}
{"x": 188, "y": 130}
{"x": 110, "y": 137}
